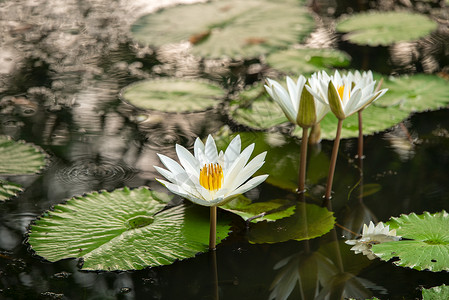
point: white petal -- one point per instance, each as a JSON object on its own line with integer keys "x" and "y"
{"x": 170, "y": 176}
{"x": 210, "y": 150}
{"x": 198, "y": 147}
{"x": 293, "y": 92}
{"x": 247, "y": 171}
{"x": 253, "y": 182}
{"x": 232, "y": 152}
{"x": 282, "y": 98}
{"x": 237, "y": 165}
{"x": 179, "y": 190}
{"x": 351, "y": 106}
{"x": 188, "y": 161}
{"x": 170, "y": 164}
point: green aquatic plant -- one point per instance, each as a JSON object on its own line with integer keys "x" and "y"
{"x": 231, "y": 28}
{"x": 309, "y": 221}
{"x": 385, "y": 28}
{"x": 9, "y": 190}
{"x": 271, "y": 210}
{"x": 127, "y": 229}
{"x": 436, "y": 293}
{"x": 18, "y": 158}
{"x": 307, "y": 60}
{"x": 173, "y": 95}
{"x": 425, "y": 244}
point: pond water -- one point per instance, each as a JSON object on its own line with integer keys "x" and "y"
{"x": 62, "y": 66}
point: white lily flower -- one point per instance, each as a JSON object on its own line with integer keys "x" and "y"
{"x": 373, "y": 235}
{"x": 345, "y": 94}
{"x": 298, "y": 104}
{"x": 210, "y": 178}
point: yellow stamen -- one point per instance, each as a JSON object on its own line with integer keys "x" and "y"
{"x": 340, "y": 91}
{"x": 211, "y": 177}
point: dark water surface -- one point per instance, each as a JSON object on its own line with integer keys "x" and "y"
{"x": 62, "y": 66}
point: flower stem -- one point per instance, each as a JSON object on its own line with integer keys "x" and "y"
{"x": 303, "y": 162}
{"x": 360, "y": 141}
{"x": 213, "y": 227}
{"x": 333, "y": 162}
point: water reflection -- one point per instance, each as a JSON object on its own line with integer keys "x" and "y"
{"x": 62, "y": 65}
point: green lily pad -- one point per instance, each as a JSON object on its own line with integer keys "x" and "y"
{"x": 255, "y": 109}
{"x": 386, "y": 28}
{"x": 9, "y": 190}
{"x": 227, "y": 28}
{"x": 425, "y": 244}
{"x": 308, "y": 222}
{"x": 260, "y": 211}
{"x": 303, "y": 61}
{"x": 415, "y": 93}
{"x": 436, "y": 293}
{"x": 19, "y": 158}
{"x": 173, "y": 95}
{"x": 122, "y": 230}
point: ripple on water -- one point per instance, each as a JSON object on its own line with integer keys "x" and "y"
{"x": 88, "y": 170}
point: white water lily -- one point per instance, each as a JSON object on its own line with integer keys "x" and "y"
{"x": 298, "y": 104}
{"x": 210, "y": 178}
{"x": 345, "y": 94}
{"x": 373, "y": 235}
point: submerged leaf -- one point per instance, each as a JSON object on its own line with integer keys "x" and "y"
{"x": 260, "y": 211}
{"x": 227, "y": 28}
{"x": 426, "y": 244}
{"x": 122, "y": 230}
{"x": 308, "y": 222}
{"x": 385, "y": 28}
{"x": 173, "y": 95}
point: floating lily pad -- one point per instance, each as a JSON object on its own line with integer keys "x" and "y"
{"x": 303, "y": 61}
{"x": 9, "y": 190}
{"x": 227, "y": 28}
{"x": 19, "y": 158}
{"x": 260, "y": 211}
{"x": 122, "y": 230}
{"x": 386, "y": 28}
{"x": 425, "y": 244}
{"x": 173, "y": 95}
{"x": 255, "y": 109}
{"x": 436, "y": 293}
{"x": 415, "y": 93}
{"x": 308, "y": 222}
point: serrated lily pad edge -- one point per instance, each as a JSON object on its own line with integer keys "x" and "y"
{"x": 391, "y": 223}
{"x": 80, "y": 260}
{"x": 45, "y": 156}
